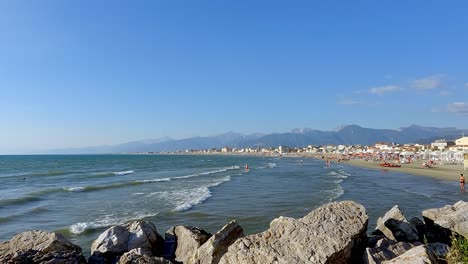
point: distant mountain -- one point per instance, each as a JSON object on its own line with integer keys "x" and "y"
{"x": 348, "y": 135}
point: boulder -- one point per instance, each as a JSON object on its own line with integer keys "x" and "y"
{"x": 395, "y": 226}
{"x": 417, "y": 255}
{"x": 332, "y": 233}
{"x": 117, "y": 240}
{"x": 217, "y": 245}
{"x": 452, "y": 218}
{"x": 187, "y": 240}
{"x": 420, "y": 226}
{"x": 441, "y": 250}
{"x": 38, "y": 244}
{"x": 386, "y": 249}
{"x": 141, "y": 256}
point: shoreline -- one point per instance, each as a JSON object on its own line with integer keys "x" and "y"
{"x": 448, "y": 172}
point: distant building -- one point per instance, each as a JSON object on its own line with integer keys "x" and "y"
{"x": 226, "y": 150}
{"x": 462, "y": 144}
{"x": 441, "y": 144}
{"x": 462, "y": 141}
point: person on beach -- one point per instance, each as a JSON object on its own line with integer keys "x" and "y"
{"x": 462, "y": 182}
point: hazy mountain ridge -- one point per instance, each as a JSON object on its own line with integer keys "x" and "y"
{"x": 348, "y": 135}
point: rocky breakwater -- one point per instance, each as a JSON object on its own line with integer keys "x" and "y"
{"x": 419, "y": 240}
{"x": 332, "y": 233}
{"x": 40, "y": 247}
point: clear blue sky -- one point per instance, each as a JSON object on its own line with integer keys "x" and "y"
{"x": 84, "y": 73}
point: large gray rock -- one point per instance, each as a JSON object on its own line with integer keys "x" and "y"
{"x": 215, "y": 247}
{"x": 451, "y": 217}
{"x": 117, "y": 240}
{"x": 188, "y": 239}
{"x": 417, "y": 255}
{"x": 37, "y": 244}
{"x": 395, "y": 226}
{"x": 141, "y": 256}
{"x": 332, "y": 233}
{"x": 386, "y": 249}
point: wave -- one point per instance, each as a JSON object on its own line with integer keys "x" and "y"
{"x": 12, "y": 217}
{"x": 271, "y": 165}
{"x": 74, "y": 189}
{"x": 108, "y": 220}
{"x": 332, "y": 173}
{"x": 154, "y": 180}
{"x": 342, "y": 172}
{"x": 123, "y": 172}
{"x": 19, "y": 200}
{"x": 335, "y": 193}
{"x": 190, "y": 198}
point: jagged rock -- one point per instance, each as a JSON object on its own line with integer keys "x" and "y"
{"x": 188, "y": 239}
{"x": 417, "y": 255}
{"x": 420, "y": 226}
{"x": 440, "y": 249}
{"x": 217, "y": 245}
{"x": 141, "y": 256}
{"x": 450, "y": 217}
{"x": 35, "y": 245}
{"x": 332, "y": 233}
{"x": 56, "y": 257}
{"x": 373, "y": 239}
{"x": 386, "y": 249}
{"x": 395, "y": 226}
{"x": 117, "y": 240}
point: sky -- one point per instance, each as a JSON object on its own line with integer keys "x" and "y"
{"x": 86, "y": 73}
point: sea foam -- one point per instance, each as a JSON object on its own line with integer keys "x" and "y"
{"x": 123, "y": 172}
{"x": 108, "y": 220}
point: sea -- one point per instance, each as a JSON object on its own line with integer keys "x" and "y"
{"x": 80, "y": 196}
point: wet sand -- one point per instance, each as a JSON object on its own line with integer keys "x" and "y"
{"x": 443, "y": 172}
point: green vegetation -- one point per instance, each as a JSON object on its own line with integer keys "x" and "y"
{"x": 459, "y": 250}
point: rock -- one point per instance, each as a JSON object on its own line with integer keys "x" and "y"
{"x": 420, "y": 226}
{"x": 395, "y": 226}
{"x": 386, "y": 249}
{"x": 417, "y": 255}
{"x": 117, "y": 240}
{"x": 36, "y": 244}
{"x": 332, "y": 233}
{"x": 56, "y": 257}
{"x": 373, "y": 239}
{"x": 217, "y": 245}
{"x": 440, "y": 249}
{"x": 188, "y": 239}
{"x": 141, "y": 256}
{"x": 453, "y": 218}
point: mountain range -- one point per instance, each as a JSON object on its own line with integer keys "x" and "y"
{"x": 347, "y": 135}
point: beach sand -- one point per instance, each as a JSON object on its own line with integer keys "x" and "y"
{"x": 449, "y": 172}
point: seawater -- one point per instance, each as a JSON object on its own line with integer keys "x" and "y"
{"x": 81, "y": 195}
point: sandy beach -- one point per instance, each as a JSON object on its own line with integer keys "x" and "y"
{"x": 443, "y": 172}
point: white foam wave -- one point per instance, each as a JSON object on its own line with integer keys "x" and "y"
{"x": 271, "y": 165}
{"x": 74, "y": 189}
{"x": 108, "y": 220}
{"x": 154, "y": 180}
{"x": 197, "y": 196}
{"x": 123, "y": 172}
{"x": 336, "y": 193}
{"x": 186, "y": 176}
{"x": 139, "y": 193}
{"x": 189, "y": 198}
{"x": 332, "y": 173}
{"x": 342, "y": 172}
